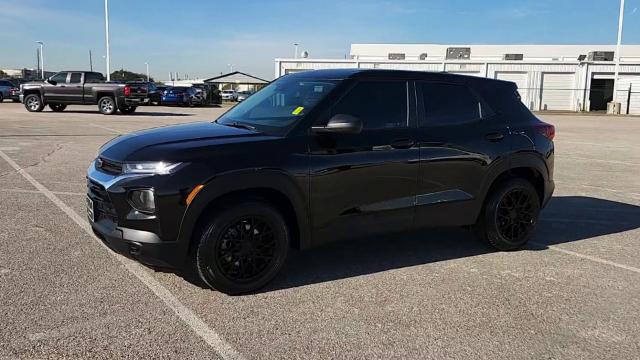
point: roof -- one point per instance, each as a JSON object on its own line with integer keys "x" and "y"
{"x": 339, "y": 74}
{"x": 237, "y": 77}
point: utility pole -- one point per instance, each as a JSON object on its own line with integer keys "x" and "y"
{"x": 295, "y": 56}
{"x": 90, "y": 62}
{"x": 106, "y": 31}
{"x": 618, "y": 45}
{"x": 38, "y": 60}
{"x": 147, "y": 64}
{"x": 41, "y": 56}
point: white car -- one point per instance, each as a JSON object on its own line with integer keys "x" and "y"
{"x": 229, "y": 95}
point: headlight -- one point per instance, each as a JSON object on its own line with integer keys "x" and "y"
{"x": 156, "y": 168}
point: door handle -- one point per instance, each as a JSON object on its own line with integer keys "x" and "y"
{"x": 494, "y": 136}
{"x": 402, "y": 143}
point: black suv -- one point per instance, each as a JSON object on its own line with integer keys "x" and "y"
{"x": 320, "y": 156}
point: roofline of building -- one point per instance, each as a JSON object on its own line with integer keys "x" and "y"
{"x": 470, "y": 62}
{"x": 233, "y": 73}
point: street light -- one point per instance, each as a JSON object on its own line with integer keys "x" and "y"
{"x": 617, "y": 70}
{"x": 106, "y": 31}
{"x": 41, "y": 56}
{"x": 147, "y": 71}
{"x": 295, "y": 56}
{"x": 230, "y": 67}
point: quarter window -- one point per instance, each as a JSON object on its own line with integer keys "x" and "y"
{"x": 75, "y": 78}
{"x": 449, "y": 104}
{"x": 379, "y": 104}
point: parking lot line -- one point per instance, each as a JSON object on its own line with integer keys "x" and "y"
{"x": 116, "y": 132}
{"x": 210, "y": 336}
{"x": 588, "y": 257}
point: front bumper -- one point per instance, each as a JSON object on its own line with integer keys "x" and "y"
{"x": 21, "y": 98}
{"x": 142, "y": 245}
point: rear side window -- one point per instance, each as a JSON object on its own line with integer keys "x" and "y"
{"x": 75, "y": 78}
{"x": 5, "y": 83}
{"x": 449, "y": 104}
{"x": 379, "y": 104}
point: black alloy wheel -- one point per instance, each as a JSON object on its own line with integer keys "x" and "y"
{"x": 510, "y": 215}
{"x": 242, "y": 248}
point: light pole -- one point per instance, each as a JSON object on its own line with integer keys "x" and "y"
{"x": 106, "y": 31}
{"x": 41, "y": 56}
{"x": 230, "y": 67}
{"x": 147, "y": 71}
{"x": 295, "y": 56}
{"x": 617, "y": 71}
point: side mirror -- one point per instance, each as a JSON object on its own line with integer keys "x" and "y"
{"x": 51, "y": 82}
{"x": 340, "y": 124}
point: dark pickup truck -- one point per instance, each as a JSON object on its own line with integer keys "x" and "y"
{"x": 82, "y": 88}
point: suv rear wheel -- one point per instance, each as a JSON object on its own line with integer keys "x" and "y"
{"x": 242, "y": 247}
{"x": 107, "y": 105}
{"x": 510, "y": 215}
{"x": 33, "y": 103}
{"x": 57, "y": 107}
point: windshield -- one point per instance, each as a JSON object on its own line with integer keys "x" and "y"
{"x": 280, "y": 104}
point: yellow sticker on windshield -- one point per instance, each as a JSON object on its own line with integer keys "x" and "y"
{"x": 298, "y": 110}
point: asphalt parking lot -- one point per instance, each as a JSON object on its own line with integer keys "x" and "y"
{"x": 574, "y": 292}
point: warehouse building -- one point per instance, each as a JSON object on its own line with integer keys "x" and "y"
{"x": 549, "y": 77}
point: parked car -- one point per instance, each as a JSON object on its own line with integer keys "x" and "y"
{"x": 243, "y": 95}
{"x": 320, "y": 156}
{"x": 182, "y": 95}
{"x": 229, "y": 95}
{"x": 5, "y": 89}
{"x": 82, "y": 88}
{"x": 14, "y": 94}
{"x": 156, "y": 96}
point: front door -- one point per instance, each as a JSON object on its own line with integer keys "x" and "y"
{"x": 55, "y": 93}
{"x": 365, "y": 183}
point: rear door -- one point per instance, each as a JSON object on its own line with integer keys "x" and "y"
{"x": 459, "y": 139}
{"x": 362, "y": 184}
{"x": 74, "y": 90}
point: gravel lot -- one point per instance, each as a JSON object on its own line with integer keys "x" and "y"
{"x": 573, "y": 293}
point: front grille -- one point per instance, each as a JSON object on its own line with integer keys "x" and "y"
{"x": 109, "y": 166}
{"x": 102, "y": 206}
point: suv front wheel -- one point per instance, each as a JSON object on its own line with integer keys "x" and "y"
{"x": 510, "y": 215}
{"x": 242, "y": 247}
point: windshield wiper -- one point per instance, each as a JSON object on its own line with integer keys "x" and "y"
{"x": 238, "y": 125}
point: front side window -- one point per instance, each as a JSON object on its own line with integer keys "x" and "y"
{"x": 280, "y": 104}
{"x": 60, "y": 78}
{"x": 75, "y": 78}
{"x": 378, "y": 104}
{"x": 449, "y": 104}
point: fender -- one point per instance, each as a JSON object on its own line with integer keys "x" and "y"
{"x": 225, "y": 183}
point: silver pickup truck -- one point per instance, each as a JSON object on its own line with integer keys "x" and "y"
{"x": 82, "y": 88}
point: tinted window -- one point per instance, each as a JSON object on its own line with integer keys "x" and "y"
{"x": 379, "y": 104}
{"x": 93, "y": 78}
{"x": 449, "y": 104}
{"x": 75, "y": 78}
{"x": 60, "y": 78}
{"x": 5, "y": 83}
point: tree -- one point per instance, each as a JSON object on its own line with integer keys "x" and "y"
{"x": 3, "y": 74}
{"x": 125, "y": 75}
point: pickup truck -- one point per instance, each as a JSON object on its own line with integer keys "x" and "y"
{"x": 82, "y": 88}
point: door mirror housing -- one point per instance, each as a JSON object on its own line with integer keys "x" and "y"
{"x": 340, "y": 124}
{"x": 51, "y": 82}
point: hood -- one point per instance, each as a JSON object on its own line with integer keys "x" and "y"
{"x": 173, "y": 137}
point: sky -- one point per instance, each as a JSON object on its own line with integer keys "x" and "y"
{"x": 200, "y": 38}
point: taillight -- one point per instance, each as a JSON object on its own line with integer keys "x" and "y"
{"x": 547, "y": 130}
{"x": 127, "y": 90}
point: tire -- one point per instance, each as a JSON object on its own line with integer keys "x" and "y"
{"x": 1, "y": 97}
{"x": 107, "y": 105}
{"x": 33, "y": 103}
{"x": 510, "y": 215}
{"x": 57, "y": 107}
{"x": 128, "y": 109}
{"x": 223, "y": 248}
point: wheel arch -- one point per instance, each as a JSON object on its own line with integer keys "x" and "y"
{"x": 276, "y": 187}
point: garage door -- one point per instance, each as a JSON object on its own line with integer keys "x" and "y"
{"x": 623, "y": 93}
{"x": 557, "y": 91}
{"x": 520, "y": 78}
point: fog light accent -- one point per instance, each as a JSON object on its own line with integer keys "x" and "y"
{"x": 143, "y": 200}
